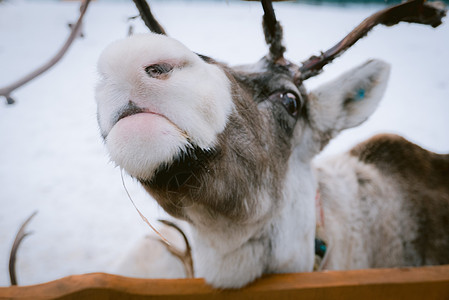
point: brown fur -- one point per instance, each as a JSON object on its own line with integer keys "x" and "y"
{"x": 423, "y": 177}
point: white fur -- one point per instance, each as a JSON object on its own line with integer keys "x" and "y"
{"x": 195, "y": 100}
{"x": 229, "y": 260}
{"x": 294, "y": 227}
{"x": 358, "y": 220}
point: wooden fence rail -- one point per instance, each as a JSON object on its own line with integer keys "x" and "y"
{"x": 402, "y": 283}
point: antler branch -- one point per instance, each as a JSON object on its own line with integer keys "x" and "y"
{"x": 186, "y": 256}
{"x": 18, "y": 240}
{"x": 6, "y": 91}
{"x": 414, "y": 11}
{"x": 273, "y": 31}
{"x": 148, "y": 18}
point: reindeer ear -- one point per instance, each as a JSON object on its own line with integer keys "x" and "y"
{"x": 348, "y": 100}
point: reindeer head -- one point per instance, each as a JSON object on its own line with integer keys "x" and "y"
{"x": 228, "y": 148}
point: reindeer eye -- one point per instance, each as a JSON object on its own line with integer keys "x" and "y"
{"x": 290, "y": 102}
{"x": 157, "y": 70}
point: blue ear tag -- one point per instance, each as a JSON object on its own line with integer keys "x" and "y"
{"x": 360, "y": 95}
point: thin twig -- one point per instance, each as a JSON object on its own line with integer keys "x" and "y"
{"x": 184, "y": 256}
{"x": 6, "y": 91}
{"x": 21, "y": 234}
{"x": 414, "y": 11}
{"x": 148, "y": 18}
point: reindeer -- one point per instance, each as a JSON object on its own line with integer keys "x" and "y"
{"x": 230, "y": 150}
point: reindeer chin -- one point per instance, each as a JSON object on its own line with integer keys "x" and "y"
{"x": 186, "y": 168}
{"x": 141, "y": 143}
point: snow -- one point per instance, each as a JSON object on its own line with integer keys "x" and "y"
{"x": 52, "y": 158}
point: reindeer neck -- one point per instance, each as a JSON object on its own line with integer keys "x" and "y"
{"x": 231, "y": 255}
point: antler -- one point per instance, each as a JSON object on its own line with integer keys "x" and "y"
{"x": 21, "y": 234}
{"x": 184, "y": 256}
{"x": 414, "y": 11}
{"x": 273, "y": 31}
{"x": 148, "y": 18}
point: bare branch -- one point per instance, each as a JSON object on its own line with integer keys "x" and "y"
{"x": 148, "y": 18}
{"x": 414, "y": 11}
{"x": 186, "y": 256}
{"x": 6, "y": 91}
{"x": 272, "y": 31}
{"x": 18, "y": 240}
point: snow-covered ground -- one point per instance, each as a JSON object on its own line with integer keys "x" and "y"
{"x": 51, "y": 155}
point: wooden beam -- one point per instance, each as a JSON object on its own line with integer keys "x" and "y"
{"x": 399, "y": 283}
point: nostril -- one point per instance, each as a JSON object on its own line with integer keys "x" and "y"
{"x": 159, "y": 71}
